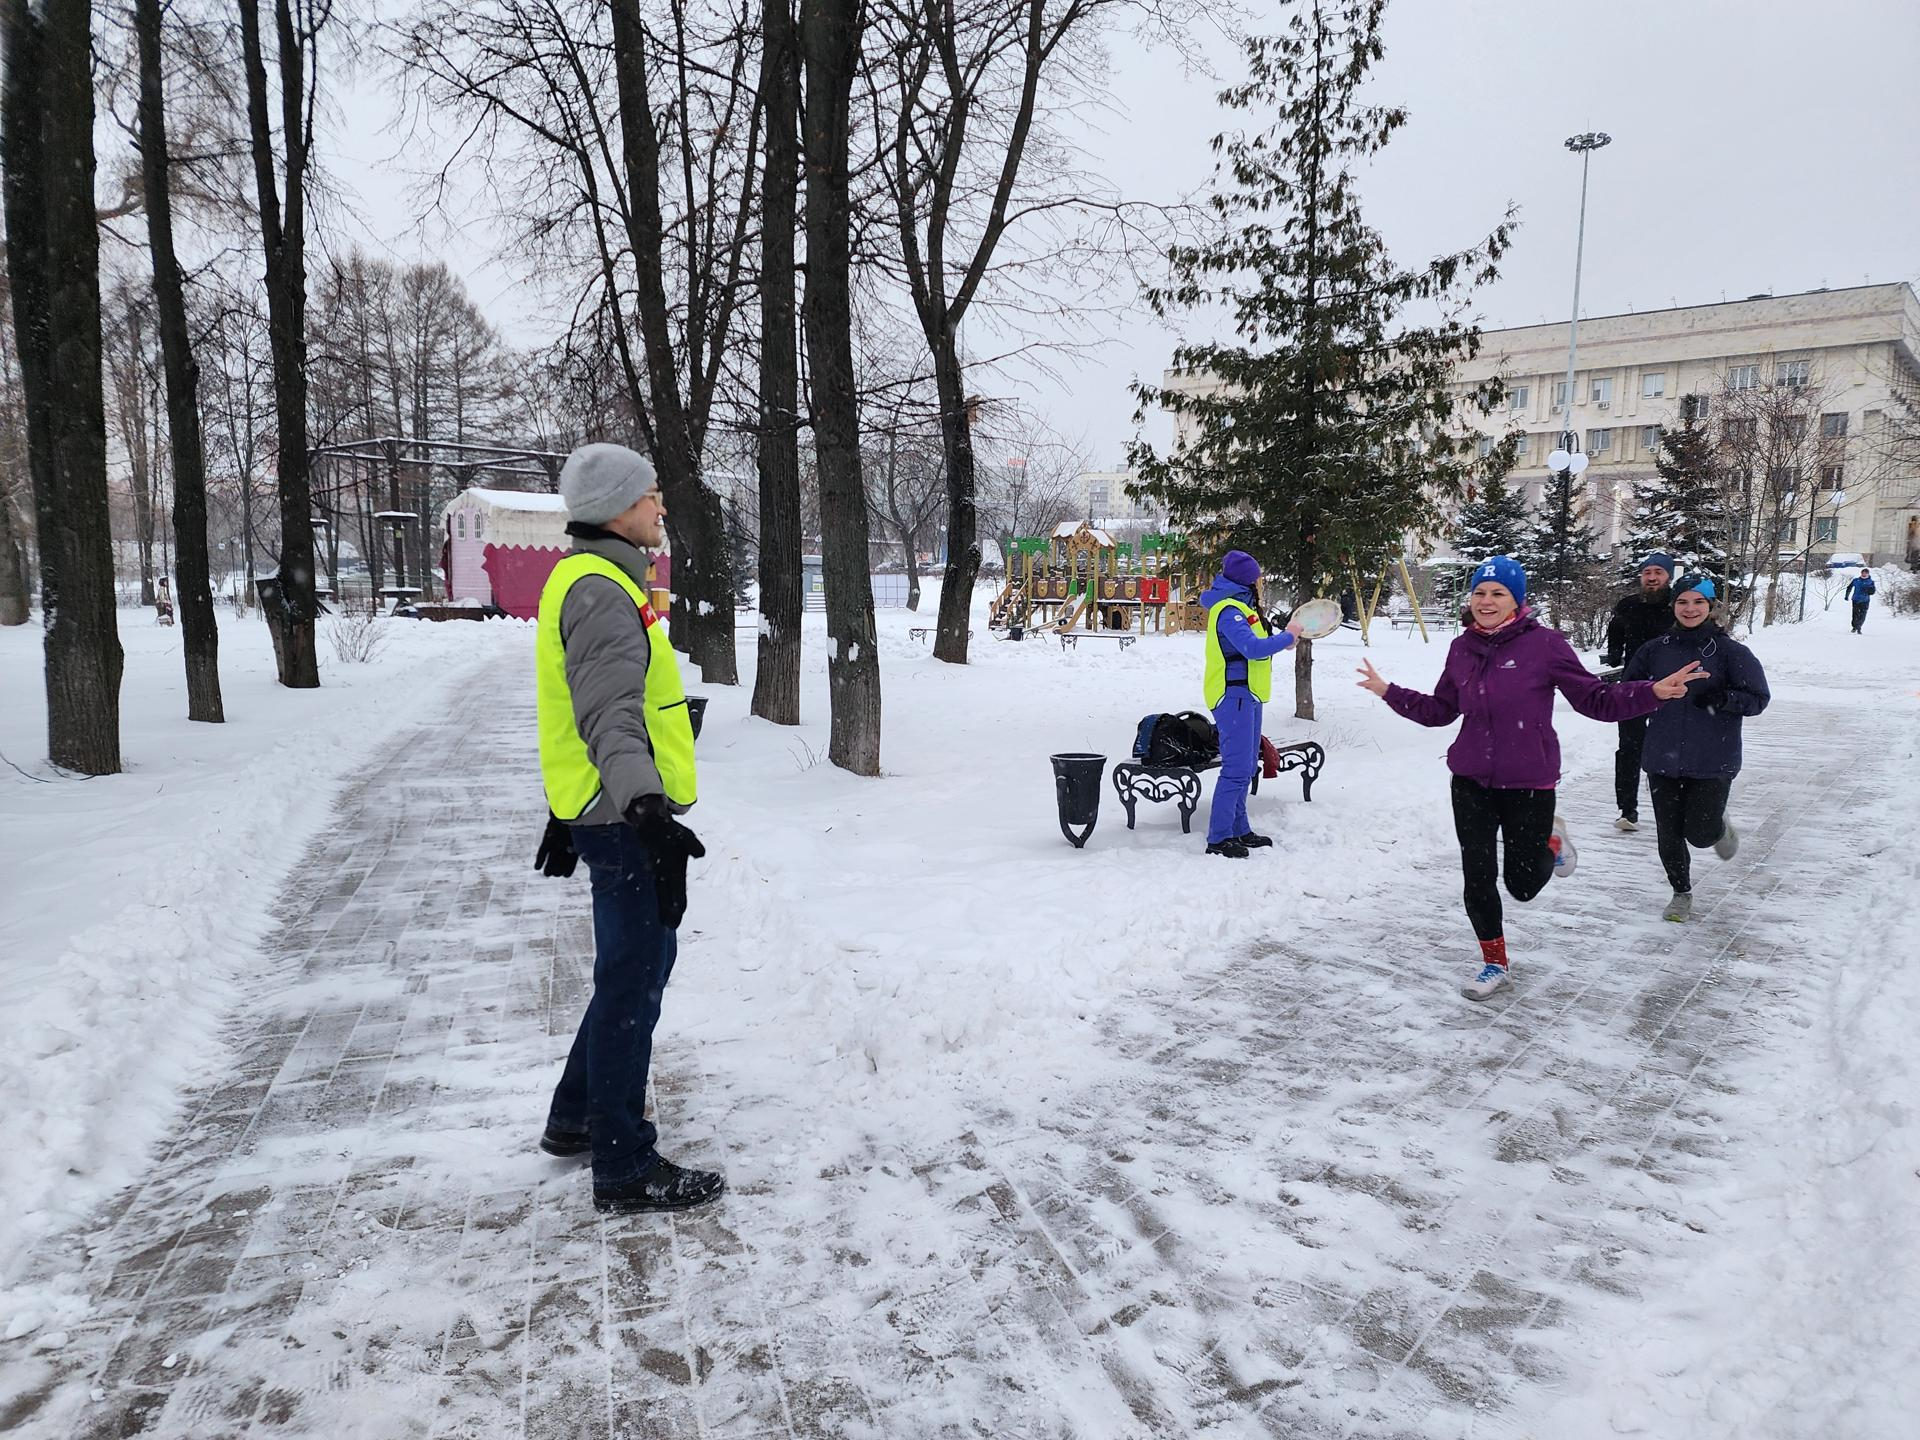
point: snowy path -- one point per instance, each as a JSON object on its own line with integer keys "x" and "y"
{"x": 1255, "y": 1209}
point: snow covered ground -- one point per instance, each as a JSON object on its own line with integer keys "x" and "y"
{"x": 1106, "y": 1142}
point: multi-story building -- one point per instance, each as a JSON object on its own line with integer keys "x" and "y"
{"x": 1101, "y": 497}
{"x": 1857, "y": 350}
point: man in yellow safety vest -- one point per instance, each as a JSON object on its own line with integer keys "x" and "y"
{"x": 1238, "y": 681}
{"x": 616, "y": 760}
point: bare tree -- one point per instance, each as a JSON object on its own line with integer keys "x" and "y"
{"x": 195, "y": 597}
{"x": 53, "y": 268}
{"x": 15, "y": 491}
{"x": 830, "y": 32}
{"x": 131, "y": 377}
{"x": 776, "y": 680}
{"x": 297, "y": 26}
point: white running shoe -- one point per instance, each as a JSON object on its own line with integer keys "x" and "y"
{"x": 1490, "y": 979}
{"x": 1565, "y": 858}
{"x": 1680, "y": 907}
{"x": 1728, "y": 845}
{"x": 1626, "y": 822}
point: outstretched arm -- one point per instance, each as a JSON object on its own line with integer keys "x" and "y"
{"x": 1592, "y": 696}
{"x": 1440, "y": 708}
{"x": 1239, "y": 637}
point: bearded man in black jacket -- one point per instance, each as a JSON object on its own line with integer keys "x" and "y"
{"x": 1637, "y": 618}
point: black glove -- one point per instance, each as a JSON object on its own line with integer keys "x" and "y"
{"x": 671, "y": 845}
{"x": 556, "y": 857}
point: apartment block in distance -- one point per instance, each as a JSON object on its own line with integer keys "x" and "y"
{"x": 1859, "y": 348}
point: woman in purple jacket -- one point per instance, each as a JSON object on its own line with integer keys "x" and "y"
{"x": 1500, "y": 676}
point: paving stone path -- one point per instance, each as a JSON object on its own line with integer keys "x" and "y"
{"x": 346, "y": 1236}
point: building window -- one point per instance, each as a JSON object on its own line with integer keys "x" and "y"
{"x": 1791, "y": 372}
{"x": 1650, "y": 438}
{"x": 1784, "y": 479}
{"x": 1695, "y": 407}
{"x": 1831, "y": 476}
{"x": 1559, "y": 394}
{"x": 1483, "y": 447}
{"x": 460, "y": 526}
{"x": 1826, "y": 529}
{"x": 1742, "y": 531}
{"x": 1653, "y": 384}
{"x": 1743, "y": 377}
{"x": 1599, "y": 441}
{"x": 1600, "y": 391}
{"x": 1097, "y": 499}
{"x": 1518, "y": 396}
{"x": 479, "y": 527}
{"x": 1741, "y": 431}
{"x": 1521, "y": 445}
{"x": 1789, "y": 532}
{"x": 1833, "y": 427}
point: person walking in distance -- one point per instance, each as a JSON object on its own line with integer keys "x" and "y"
{"x": 1860, "y": 591}
{"x": 616, "y": 760}
{"x": 1636, "y": 619}
{"x": 1693, "y": 744}
{"x": 1237, "y": 682}
{"x": 1500, "y": 678}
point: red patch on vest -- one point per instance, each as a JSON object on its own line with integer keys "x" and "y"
{"x": 647, "y": 617}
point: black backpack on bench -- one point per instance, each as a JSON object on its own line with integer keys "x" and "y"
{"x": 1183, "y": 738}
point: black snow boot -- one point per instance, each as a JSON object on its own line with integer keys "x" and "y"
{"x": 663, "y": 1186}
{"x": 1232, "y": 849}
{"x": 1255, "y": 842}
{"x": 565, "y": 1143}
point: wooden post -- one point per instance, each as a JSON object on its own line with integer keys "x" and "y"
{"x": 1360, "y": 600}
{"x": 1414, "y": 599}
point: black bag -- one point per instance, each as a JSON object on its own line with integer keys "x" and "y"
{"x": 1184, "y": 738}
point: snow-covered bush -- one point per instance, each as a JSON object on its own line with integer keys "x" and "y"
{"x": 356, "y": 633}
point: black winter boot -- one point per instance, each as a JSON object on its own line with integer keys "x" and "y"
{"x": 1253, "y": 841}
{"x": 1232, "y": 849}
{"x": 565, "y": 1143}
{"x": 662, "y": 1186}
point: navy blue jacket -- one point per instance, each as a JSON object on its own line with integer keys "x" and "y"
{"x": 1699, "y": 736}
{"x": 1860, "y": 589}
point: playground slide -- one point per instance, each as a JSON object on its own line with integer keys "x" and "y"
{"x": 1073, "y": 614}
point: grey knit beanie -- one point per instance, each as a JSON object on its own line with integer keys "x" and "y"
{"x": 601, "y": 481}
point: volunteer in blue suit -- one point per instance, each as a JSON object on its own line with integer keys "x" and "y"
{"x": 1238, "y": 682}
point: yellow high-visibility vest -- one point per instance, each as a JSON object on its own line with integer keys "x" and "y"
{"x": 1259, "y": 672}
{"x": 572, "y": 783}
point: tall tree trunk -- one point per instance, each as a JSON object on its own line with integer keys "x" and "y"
{"x": 963, "y": 515}
{"x": 910, "y": 545}
{"x": 284, "y": 240}
{"x": 13, "y": 567}
{"x": 53, "y": 263}
{"x": 830, "y": 43}
{"x": 1303, "y": 679}
{"x": 702, "y": 562}
{"x": 776, "y": 680}
{"x": 131, "y": 411}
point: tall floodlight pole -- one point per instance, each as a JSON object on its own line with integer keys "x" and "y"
{"x": 1567, "y": 459}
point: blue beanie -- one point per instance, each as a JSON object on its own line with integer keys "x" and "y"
{"x": 1241, "y": 568}
{"x": 1503, "y": 570}
{"x": 1663, "y": 560}
{"x": 1702, "y": 583}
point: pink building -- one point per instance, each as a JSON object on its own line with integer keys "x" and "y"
{"x": 502, "y": 544}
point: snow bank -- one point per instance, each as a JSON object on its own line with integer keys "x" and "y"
{"x": 136, "y": 903}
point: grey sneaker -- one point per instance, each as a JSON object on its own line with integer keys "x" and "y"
{"x": 1626, "y": 823}
{"x": 1728, "y": 845}
{"x": 1561, "y": 845}
{"x": 1680, "y": 907}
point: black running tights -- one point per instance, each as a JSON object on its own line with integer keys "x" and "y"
{"x": 1481, "y": 817}
{"x": 1686, "y": 812}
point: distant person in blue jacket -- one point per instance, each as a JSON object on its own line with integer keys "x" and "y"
{"x": 1693, "y": 743}
{"x": 1237, "y": 683}
{"x": 1860, "y": 591}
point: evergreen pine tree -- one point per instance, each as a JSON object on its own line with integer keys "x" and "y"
{"x": 1681, "y": 510}
{"x": 1326, "y": 432}
{"x": 1495, "y": 522}
{"x": 1558, "y": 552}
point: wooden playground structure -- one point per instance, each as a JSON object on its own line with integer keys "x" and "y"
{"x": 1080, "y": 579}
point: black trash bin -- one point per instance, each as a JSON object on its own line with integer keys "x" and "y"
{"x": 696, "y": 712}
{"x": 1076, "y": 786}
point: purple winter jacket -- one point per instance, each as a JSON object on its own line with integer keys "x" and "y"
{"x": 1503, "y": 683}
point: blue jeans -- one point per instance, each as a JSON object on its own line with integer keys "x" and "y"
{"x": 1238, "y": 716}
{"x": 604, "y": 1087}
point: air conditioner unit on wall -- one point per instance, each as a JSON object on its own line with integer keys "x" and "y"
{"x": 1602, "y": 405}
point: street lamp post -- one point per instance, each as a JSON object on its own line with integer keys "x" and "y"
{"x": 1567, "y": 459}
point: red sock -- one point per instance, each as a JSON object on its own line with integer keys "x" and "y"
{"x": 1494, "y": 951}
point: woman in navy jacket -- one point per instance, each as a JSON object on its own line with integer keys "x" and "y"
{"x": 1693, "y": 744}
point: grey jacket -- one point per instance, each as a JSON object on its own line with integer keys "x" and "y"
{"x": 607, "y": 652}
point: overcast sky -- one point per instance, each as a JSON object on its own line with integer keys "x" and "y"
{"x": 1758, "y": 145}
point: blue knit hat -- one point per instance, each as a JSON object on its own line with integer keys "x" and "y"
{"x": 1503, "y": 570}
{"x": 1665, "y": 561}
{"x": 1702, "y": 583}
{"x": 1241, "y": 568}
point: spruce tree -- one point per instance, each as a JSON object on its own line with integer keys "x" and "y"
{"x": 1496, "y": 521}
{"x": 1558, "y": 553}
{"x": 1681, "y": 510}
{"x": 1324, "y": 432}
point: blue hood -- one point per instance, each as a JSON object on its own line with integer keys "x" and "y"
{"x": 1224, "y": 589}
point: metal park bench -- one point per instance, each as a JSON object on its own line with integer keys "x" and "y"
{"x": 1134, "y": 782}
{"x": 920, "y": 632}
{"x": 1070, "y": 639}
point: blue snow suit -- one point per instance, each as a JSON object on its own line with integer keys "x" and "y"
{"x": 1238, "y": 713}
{"x": 1698, "y": 736}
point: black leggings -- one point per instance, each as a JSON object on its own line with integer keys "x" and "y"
{"x": 1626, "y": 766}
{"x": 1480, "y": 817}
{"x": 1686, "y": 812}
